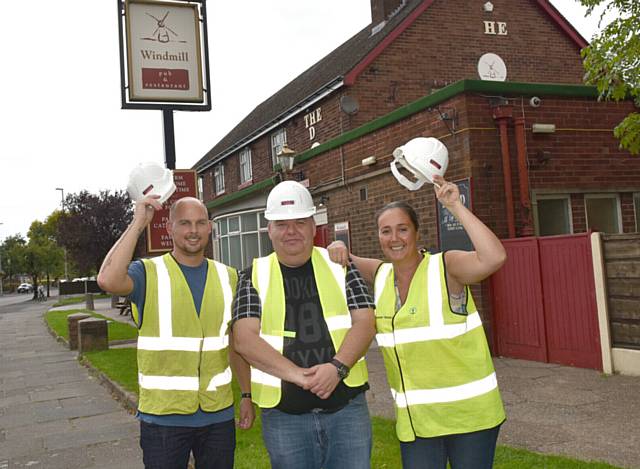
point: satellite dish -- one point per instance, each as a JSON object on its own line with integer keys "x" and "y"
{"x": 349, "y": 105}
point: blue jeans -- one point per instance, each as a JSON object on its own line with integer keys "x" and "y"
{"x": 165, "y": 447}
{"x": 473, "y": 450}
{"x": 315, "y": 440}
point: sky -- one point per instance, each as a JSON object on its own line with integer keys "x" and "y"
{"x": 62, "y": 125}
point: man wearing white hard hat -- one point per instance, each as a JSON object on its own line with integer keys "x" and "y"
{"x": 182, "y": 305}
{"x": 304, "y": 324}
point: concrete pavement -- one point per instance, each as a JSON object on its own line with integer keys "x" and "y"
{"x": 53, "y": 414}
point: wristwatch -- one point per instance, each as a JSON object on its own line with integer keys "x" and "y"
{"x": 245, "y": 395}
{"x": 343, "y": 370}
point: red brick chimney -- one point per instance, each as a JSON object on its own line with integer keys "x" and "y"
{"x": 381, "y": 9}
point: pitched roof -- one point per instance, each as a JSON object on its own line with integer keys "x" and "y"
{"x": 344, "y": 63}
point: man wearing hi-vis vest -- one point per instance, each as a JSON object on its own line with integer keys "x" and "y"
{"x": 304, "y": 324}
{"x": 182, "y": 305}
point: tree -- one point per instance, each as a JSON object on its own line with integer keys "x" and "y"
{"x": 90, "y": 226}
{"x": 13, "y": 259}
{"x": 43, "y": 256}
{"x": 612, "y": 63}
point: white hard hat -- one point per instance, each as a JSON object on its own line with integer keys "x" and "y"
{"x": 150, "y": 179}
{"x": 289, "y": 200}
{"x": 423, "y": 157}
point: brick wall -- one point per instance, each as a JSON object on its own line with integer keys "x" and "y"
{"x": 442, "y": 46}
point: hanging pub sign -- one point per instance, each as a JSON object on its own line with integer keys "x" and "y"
{"x": 165, "y": 64}
{"x": 450, "y": 231}
{"x": 158, "y": 239}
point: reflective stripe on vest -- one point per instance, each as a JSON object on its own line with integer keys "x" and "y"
{"x": 266, "y": 388}
{"x": 457, "y": 380}
{"x": 199, "y": 345}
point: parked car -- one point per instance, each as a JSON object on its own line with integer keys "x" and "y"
{"x": 25, "y": 288}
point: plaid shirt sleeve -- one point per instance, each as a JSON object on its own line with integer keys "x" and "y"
{"x": 358, "y": 296}
{"x": 247, "y": 301}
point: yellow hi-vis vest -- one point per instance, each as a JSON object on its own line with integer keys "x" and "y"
{"x": 268, "y": 282}
{"x": 183, "y": 358}
{"x": 438, "y": 363}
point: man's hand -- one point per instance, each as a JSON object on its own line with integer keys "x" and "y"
{"x": 247, "y": 414}
{"x": 145, "y": 209}
{"x": 323, "y": 379}
{"x": 338, "y": 253}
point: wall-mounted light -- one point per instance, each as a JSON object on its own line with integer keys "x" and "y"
{"x": 543, "y": 128}
{"x": 368, "y": 161}
{"x": 286, "y": 158}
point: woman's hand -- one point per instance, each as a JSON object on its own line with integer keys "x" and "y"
{"x": 447, "y": 193}
{"x": 338, "y": 253}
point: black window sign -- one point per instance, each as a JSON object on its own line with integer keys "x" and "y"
{"x": 452, "y": 234}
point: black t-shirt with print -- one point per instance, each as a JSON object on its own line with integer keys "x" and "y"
{"x": 312, "y": 344}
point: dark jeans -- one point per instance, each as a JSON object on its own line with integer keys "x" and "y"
{"x": 169, "y": 447}
{"x": 473, "y": 450}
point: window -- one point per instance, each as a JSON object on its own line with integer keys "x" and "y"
{"x": 636, "y": 206}
{"x": 603, "y": 212}
{"x": 278, "y": 140}
{"x": 201, "y": 187}
{"x": 245, "y": 165}
{"x": 241, "y": 237}
{"x": 218, "y": 176}
{"x": 553, "y": 215}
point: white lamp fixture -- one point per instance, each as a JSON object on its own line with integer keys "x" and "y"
{"x": 543, "y": 128}
{"x": 286, "y": 158}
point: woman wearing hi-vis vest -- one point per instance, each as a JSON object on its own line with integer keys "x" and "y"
{"x": 438, "y": 364}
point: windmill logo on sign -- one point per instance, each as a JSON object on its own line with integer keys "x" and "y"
{"x": 162, "y": 32}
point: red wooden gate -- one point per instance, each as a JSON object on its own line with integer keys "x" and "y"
{"x": 544, "y": 301}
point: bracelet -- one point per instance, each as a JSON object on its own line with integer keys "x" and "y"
{"x": 245, "y": 395}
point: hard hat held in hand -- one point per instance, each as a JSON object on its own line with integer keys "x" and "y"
{"x": 289, "y": 200}
{"x": 424, "y": 158}
{"x": 151, "y": 179}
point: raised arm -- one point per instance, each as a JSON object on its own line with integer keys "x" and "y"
{"x": 465, "y": 267}
{"x": 113, "y": 276}
{"x": 339, "y": 253}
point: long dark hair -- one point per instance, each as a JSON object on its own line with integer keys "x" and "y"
{"x": 405, "y": 207}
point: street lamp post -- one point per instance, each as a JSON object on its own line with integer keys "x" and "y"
{"x": 66, "y": 277}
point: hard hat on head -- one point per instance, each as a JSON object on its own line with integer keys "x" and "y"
{"x": 151, "y": 179}
{"x": 424, "y": 158}
{"x": 289, "y": 200}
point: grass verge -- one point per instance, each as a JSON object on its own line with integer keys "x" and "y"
{"x": 57, "y": 321}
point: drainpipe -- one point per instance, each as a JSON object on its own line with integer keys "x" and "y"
{"x": 523, "y": 177}
{"x": 503, "y": 114}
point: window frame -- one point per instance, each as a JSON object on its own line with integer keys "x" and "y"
{"x": 218, "y": 178}
{"x": 276, "y": 147}
{"x": 604, "y": 195}
{"x": 246, "y": 172}
{"x": 560, "y": 196}
{"x": 260, "y": 230}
